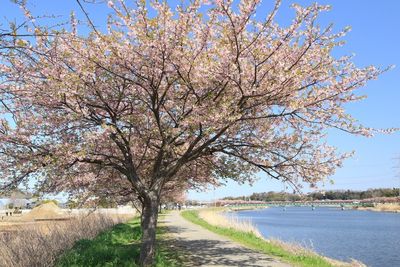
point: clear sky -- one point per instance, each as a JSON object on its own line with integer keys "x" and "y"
{"x": 375, "y": 39}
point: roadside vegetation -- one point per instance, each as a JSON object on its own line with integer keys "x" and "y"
{"x": 119, "y": 246}
{"x": 246, "y": 234}
{"x": 41, "y": 243}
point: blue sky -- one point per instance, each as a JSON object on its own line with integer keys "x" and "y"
{"x": 375, "y": 39}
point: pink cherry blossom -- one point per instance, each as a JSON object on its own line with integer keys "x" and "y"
{"x": 174, "y": 100}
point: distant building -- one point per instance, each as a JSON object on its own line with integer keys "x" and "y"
{"x": 2, "y": 204}
{"x": 15, "y": 198}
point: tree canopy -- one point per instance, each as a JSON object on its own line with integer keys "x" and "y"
{"x": 183, "y": 96}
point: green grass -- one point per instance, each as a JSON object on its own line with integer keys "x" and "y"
{"x": 253, "y": 242}
{"x": 119, "y": 246}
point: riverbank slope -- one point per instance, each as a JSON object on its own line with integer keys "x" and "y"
{"x": 205, "y": 248}
{"x": 248, "y": 236}
{"x": 386, "y": 207}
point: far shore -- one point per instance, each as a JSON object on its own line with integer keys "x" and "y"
{"x": 245, "y": 208}
{"x": 378, "y": 207}
{"x": 387, "y": 207}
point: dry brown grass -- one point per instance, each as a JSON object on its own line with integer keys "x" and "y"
{"x": 213, "y": 217}
{"x": 40, "y": 244}
{"x": 300, "y": 250}
{"x": 387, "y": 207}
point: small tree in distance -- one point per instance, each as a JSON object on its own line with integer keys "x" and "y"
{"x": 178, "y": 96}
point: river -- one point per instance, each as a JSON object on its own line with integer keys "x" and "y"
{"x": 370, "y": 237}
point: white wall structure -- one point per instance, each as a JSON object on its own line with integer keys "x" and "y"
{"x": 3, "y": 203}
{"x": 17, "y": 202}
{"x": 121, "y": 210}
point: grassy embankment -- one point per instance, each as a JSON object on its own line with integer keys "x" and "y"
{"x": 119, "y": 246}
{"x": 386, "y": 207}
{"x": 245, "y": 234}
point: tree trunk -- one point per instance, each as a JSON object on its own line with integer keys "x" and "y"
{"x": 149, "y": 224}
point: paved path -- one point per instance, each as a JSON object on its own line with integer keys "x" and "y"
{"x": 205, "y": 248}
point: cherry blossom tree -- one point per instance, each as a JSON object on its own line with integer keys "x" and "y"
{"x": 174, "y": 193}
{"x": 169, "y": 96}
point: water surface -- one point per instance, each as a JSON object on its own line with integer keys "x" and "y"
{"x": 371, "y": 237}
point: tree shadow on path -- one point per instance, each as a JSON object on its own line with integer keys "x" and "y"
{"x": 206, "y": 252}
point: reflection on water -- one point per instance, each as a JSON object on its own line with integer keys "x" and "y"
{"x": 371, "y": 237}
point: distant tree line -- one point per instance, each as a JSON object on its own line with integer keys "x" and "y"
{"x": 349, "y": 194}
{"x": 325, "y": 195}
